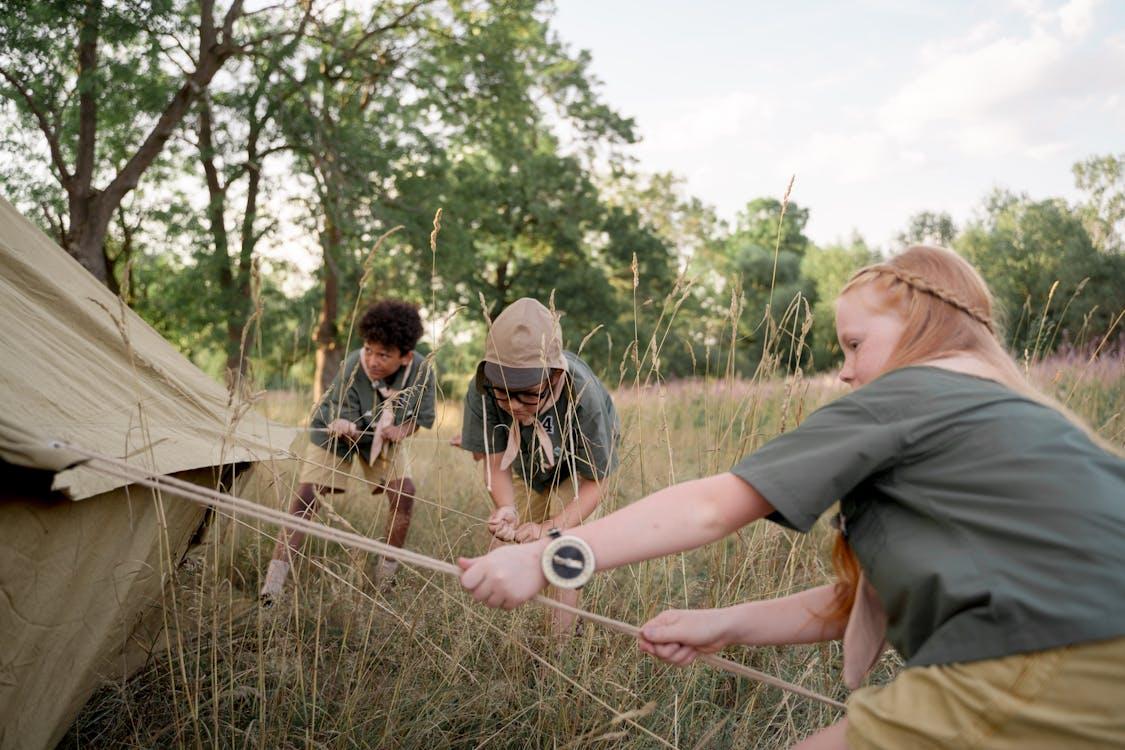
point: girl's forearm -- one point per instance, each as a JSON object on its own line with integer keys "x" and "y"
{"x": 674, "y": 519}
{"x": 787, "y": 620}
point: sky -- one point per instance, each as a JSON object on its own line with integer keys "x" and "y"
{"x": 879, "y": 108}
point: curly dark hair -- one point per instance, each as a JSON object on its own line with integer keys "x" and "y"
{"x": 392, "y": 322}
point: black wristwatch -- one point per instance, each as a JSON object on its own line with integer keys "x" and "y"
{"x": 568, "y": 562}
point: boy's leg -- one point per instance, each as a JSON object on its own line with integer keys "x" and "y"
{"x": 562, "y": 623}
{"x": 400, "y": 509}
{"x": 400, "y": 501}
{"x": 289, "y": 540}
{"x": 391, "y": 474}
{"x": 321, "y": 472}
{"x": 539, "y": 510}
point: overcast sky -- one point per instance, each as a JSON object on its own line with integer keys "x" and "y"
{"x": 881, "y": 108}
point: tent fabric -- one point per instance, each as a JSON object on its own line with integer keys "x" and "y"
{"x": 82, "y": 590}
{"x": 21, "y": 447}
{"x": 81, "y": 367}
{"x": 81, "y": 582}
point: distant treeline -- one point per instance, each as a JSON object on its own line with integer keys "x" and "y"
{"x": 167, "y": 145}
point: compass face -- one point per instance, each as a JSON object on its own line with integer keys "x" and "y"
{"x": 568, "y": 562}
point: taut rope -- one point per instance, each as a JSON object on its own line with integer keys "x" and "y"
{"x": 222, "y": 501}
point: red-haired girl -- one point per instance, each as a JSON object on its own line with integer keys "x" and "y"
{"x": 982, "y": 533}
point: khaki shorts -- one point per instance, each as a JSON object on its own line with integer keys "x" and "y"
{"x": 1070, "y": 697}
{"x": 324, "y": 468}
{"x": 536, "y": 506}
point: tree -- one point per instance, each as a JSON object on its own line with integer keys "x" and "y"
{"x": 1045, "y": 272}
{"x": 929, "y": 228}
{"x": 829, "y": 268}
{"x": 107, "y": 85}
{"x": 1103, "y": 179}
{"x": 762, "y": 258}
{"x": 234, "y": 152}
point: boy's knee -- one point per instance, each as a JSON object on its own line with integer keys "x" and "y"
{"x": 401, "y": 494}
{"x": 306, "y": 499}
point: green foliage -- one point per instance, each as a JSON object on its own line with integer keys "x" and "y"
{"x": 349, "y": 121}
{"x": 829, "y": 268}
{"x": 929, "y": 228}
{"x": 1045, "y": 272}
{"x": 1103, "y": 179}
{"x": 762, "y": 258}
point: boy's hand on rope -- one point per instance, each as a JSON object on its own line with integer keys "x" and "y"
{"x": 529, "y": 532}
{"x": 678, "y": 636}
{"x": 506, "y": 577}
{"x": 396, "y": 432}
{"x": 503, "y": 522}
{"x": 342, "y": 428}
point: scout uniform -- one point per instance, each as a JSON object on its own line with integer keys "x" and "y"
{"x": 992, "y": 530}
{"x": 576, "y": 432}
{"x": 408, "y": 395}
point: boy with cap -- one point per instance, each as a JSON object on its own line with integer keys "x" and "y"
{"x": 546, "y": 427}
{"x": 382, "y": 394}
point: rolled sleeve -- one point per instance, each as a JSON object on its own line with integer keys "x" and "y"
{"x": 472, "y": 425}
{"x": 598, "y": 437}
{"x": 803, "y": 472}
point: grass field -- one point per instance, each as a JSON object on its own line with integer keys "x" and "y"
{"x": 343, "y": 665}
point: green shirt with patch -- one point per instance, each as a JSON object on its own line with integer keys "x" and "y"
{"x": 352, "y": 396}
{"x": 987, "y": 522}
{"x": 582, "y": 424}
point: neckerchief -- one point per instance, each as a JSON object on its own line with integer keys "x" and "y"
{"x": 542, "y": 439}
{"x": 386, "y": 409}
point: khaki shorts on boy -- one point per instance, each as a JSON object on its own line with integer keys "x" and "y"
{"x": 1069, "y": 697}
{"x": 324, "y": 468}
{"x": 536, "y": 507}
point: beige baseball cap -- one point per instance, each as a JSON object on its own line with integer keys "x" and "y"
{"x": 523, "y": 345}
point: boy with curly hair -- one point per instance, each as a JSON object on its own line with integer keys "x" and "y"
{"x": 382, "y": 394}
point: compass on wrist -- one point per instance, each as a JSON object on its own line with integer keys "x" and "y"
{"x": 568, "y": 561}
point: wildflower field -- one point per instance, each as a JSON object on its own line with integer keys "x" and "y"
{"x": 342, "y": 664}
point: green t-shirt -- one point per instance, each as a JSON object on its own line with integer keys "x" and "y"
{"x": 988, "y": 523}
{"x": 352, "y": 396}
{"x": 582, "y": 424}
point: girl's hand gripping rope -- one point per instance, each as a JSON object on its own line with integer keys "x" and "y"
{"x": 506, "y": 577}
{"x": 679, "y": 636}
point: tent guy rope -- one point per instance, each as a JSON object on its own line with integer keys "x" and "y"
{"x": 232, "y": 504}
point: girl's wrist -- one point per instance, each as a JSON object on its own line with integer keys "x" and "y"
{"x": 737, "y": 624}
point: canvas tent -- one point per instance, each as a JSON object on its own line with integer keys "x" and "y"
{"x": 85, "y": 557}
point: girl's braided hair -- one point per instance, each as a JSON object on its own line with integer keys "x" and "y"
{"x": 946, "y": 309}
{"x": 947, "y": 296}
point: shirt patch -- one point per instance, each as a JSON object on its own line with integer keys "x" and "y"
{"x": 548, "y": 422}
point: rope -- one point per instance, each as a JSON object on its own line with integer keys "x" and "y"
{"x": 219, "y": 500}
{"x": 344, "y": 472}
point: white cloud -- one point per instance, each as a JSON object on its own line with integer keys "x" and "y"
{"x": 1077, "y": 17}
{"x": 697, "y": 124}
{"x": 989, "y": 93}
{"x": 850, "y": 158}
{"x": 971, "y": 90}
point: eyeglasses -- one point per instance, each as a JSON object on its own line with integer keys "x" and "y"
{"x": 527, "y": 397}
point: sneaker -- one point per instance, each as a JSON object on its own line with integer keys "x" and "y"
{"x": 276, "y": 574}
{"x": 385, "y": 573}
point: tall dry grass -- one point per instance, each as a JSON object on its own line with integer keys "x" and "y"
{"x": 342, "y": 664}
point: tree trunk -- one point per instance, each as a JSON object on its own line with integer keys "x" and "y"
{"x": 91, "y": 209}
{"x": 328, "y": 353}
{"x": 89, "y": 223}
